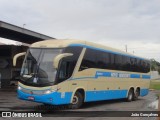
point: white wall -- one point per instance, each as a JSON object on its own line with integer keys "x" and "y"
{"x": 154, "y": 75}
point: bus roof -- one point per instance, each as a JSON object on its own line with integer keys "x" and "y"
{"x": 61, "y": 43}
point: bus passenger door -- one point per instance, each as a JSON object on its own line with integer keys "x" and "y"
{"x": 64, "y": 73}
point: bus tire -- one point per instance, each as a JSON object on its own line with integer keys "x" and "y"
{"x": 77, "y": 101}
{"x": 130, "y": 95}
{"x": 136, "y": 94}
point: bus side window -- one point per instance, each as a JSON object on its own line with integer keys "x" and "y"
{"x": 66, "y": 69}
{"x": 105, "y": 60}
{"x": 68, "y": 64}
{"x": 89, "y": 60}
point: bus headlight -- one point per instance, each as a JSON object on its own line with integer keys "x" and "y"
{"x": 19, "y": 88}
{"x": 50, "y": 91}
{"x": 47, "y": 92}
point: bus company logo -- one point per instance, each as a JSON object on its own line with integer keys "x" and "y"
{"x": 124, "y": 75}
{"x": 114, "y": 74}
{"x": 6, "y": 114}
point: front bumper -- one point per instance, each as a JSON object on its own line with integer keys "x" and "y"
{"x": 54, "y": 98}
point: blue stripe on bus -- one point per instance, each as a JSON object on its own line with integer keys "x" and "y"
{"x": 135, "y": 75}
{"x": 81, "y": 78}
{"x": 110, "y": 94}
{"x": 105, "y": 95}
{"x": 103, "y": 74}
{"x": 83, "y": 45}
{"x": 109, "y": 74}
{"x": 54, "y": 98}
{"x": 146, "y": 76}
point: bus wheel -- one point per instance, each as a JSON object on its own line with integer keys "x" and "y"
{"x": 136, "y": 94}
{"x": 77, "y": 101}
{"x": 130, "y": 95}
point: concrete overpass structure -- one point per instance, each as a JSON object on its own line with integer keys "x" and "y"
{"x": 8, "y": 73}
{"x": 20, "y": 34}
{"x": 2, "y": 43}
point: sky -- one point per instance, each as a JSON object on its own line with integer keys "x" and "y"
{"x": 114, "y": 23}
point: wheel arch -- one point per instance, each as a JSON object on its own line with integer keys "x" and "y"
{"x": 139, "y": 88}
{"x": 131, "y": 87}
{"x": 81, "y": 90}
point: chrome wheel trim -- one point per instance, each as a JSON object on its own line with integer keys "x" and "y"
{"x": 130, "y": 96}
{"x": 75, "y": 100}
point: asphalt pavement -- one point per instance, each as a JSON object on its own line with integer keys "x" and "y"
{"x": 97, "y": 110}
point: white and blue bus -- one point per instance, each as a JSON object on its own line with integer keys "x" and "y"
{"x": 72, "y": 72}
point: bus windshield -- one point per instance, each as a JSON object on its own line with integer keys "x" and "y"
{"x": 38, "y": 67}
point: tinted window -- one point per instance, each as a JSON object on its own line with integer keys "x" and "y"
{"x": 89, "y": 60}
{"x": 118, "y": 62}
{"x": 5, "y": 52}
{"x": 105, "y": 60}
{"x": 68, "y": 64}
{"x": 101, "y": 60}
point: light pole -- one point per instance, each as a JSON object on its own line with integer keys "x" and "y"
{"x": 126, "y": 47}
{"x": 23, "y": 25}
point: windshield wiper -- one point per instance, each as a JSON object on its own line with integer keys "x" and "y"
{"x": 39, "y": 62}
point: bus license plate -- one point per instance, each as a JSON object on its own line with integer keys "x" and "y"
{"x": 30, "y": 98}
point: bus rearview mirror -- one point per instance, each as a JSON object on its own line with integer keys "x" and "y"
{"x": 59, "y": 57}
{"x": 16, "y": 57}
